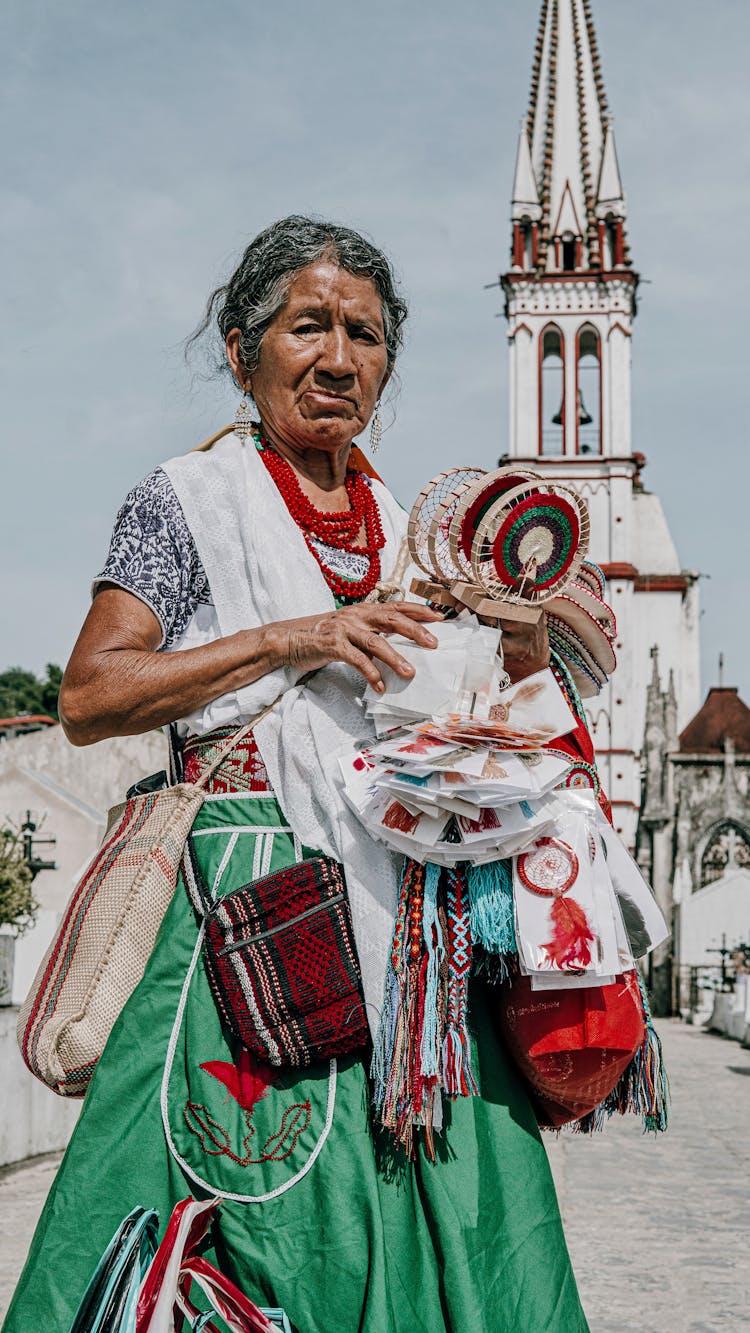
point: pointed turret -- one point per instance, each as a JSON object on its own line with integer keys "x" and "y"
{"x": 670, "y": 713}
{"x": 610, "y": 196}
{"x": 570, "y": 301}
{"x": 567, "y": 152}
{"x": 525, "y": 202}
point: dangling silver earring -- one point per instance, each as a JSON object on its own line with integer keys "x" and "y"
{"x": 245, "y": 415}
{"x": 376, "y": 429}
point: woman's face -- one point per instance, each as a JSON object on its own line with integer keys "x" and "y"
{"x": 323, "y": 362}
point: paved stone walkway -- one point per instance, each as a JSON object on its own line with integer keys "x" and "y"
{"x": 658, "y": 1227}
{"x": 23, "y": 1190}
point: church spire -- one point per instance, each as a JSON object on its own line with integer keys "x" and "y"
{"x": 566, "y": 169}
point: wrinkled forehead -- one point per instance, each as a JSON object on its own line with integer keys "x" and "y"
{"x": 325, "y": 285}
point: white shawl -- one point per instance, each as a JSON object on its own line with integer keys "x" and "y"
{"x": 260, "y": 570}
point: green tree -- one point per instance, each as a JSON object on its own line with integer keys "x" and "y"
{"x": 18, "y": 906}
{"x": 23, "y": 692}
{"x": 51, "y": 688}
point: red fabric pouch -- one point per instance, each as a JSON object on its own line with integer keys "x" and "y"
{"x": 282, "y": 962}
{"x": 571, "y": 1046}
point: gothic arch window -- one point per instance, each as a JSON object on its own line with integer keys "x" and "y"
{"x": 728, "y": 848}
{"x": 588, "y": 391}
{"x": 552, "y": 391}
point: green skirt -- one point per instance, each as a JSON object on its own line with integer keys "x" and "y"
{"x": 321, "y": 1217}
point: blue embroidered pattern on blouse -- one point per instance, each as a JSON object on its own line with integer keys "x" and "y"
{"x": 152, "y": 554}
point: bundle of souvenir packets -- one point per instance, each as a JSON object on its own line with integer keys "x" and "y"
{"x": 464, "y": 771}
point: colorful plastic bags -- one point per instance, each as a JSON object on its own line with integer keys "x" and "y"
{"x": 138, "y": 1288}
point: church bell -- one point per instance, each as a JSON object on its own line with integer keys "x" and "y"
{"x": 584, "y": 416}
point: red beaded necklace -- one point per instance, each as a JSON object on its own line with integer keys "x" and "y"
{"x": 339, "y": 529}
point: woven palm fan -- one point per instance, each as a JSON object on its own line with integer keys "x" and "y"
{"x": 530, "y": 543}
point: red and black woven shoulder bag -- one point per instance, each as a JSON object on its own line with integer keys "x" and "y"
{"x": 282, "y": 963}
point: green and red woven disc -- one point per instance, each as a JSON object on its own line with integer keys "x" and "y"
{"x": 496, "y": 487}
{"x": 542, "y": 527}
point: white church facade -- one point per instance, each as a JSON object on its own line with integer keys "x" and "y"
{"x": 570, "y": 301}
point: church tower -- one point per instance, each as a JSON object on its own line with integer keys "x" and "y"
{"x": 570, "y": 296}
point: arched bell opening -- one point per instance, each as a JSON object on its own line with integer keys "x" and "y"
{"x": 528, "y": 232}
{"x": 551, "y": 392}
{"x": 569, "y": 252}
{"x": 588, "y": 391}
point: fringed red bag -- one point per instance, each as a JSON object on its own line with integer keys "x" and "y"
{"x": 573, "y": 1046}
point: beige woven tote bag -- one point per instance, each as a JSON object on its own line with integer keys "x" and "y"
{"x": 108, "y": 931}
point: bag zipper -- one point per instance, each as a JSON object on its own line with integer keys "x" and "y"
{"x": 274, "y": 930}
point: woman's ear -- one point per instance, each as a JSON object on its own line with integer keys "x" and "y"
{"x": 383, "y": 382}
{"x": 236, "y": 364}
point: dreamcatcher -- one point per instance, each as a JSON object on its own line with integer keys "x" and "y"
{"x": 432, "y": 517}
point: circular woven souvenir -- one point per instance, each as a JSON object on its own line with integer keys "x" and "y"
{"x": 592, "y": 577}
{"x": 579, "y": 607}
{"x": 472, "y": 508}
{"x": 432, "y": 499}
{"x": 531, "y": 541}
{"x": 582, "y": 775}
{"x": 550, "y": 869}
{"x": 588, "y": 678}
{"x": 439, "y": 545}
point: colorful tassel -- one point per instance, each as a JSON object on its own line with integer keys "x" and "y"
{"x": 402, "y": 1095}
{"x": 649, "y": 1082}
{"x": 643, "y": 1087}
{"x": 430, "y": 1047}
{"x": 491, "y": 915}
{"x": 458, "y": 1079}
{"x": 422, "y": 1044}
{"x": 389, "y": 1037}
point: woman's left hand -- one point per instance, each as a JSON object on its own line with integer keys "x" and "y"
{"x": 525, "y": 647}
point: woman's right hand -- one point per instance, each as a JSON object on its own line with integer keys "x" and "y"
{"x": 355, "y": 635}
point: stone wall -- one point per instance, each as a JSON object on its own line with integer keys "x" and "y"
{"x": 731, "y": 1012}
{"x": 70, "y": 790}
{"x": 97, "y": 775}
{"x": 74, "y": 789}
{"x": 33, "y": 1120}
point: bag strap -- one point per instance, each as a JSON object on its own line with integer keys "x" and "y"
{"x": 205, "y": 445}
{"x": 235, "y": 740}
{"x": 248, "y": 727}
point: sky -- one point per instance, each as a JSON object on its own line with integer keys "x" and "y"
{"x": 142, "y": 144}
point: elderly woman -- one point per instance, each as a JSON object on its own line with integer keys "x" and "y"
{"x": 231, "y": 575}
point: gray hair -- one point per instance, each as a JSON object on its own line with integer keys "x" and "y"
{"x": 259, "y": 286}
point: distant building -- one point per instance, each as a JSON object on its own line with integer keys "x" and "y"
{"x": 67, "y": 791}
{"x": 694, "y": 829}
{"x": 570, "y": 296}
{"x": 24, "y": 724}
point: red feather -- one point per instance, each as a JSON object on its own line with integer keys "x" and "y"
{"x": 571, "y": 934}
{"x": 248, "y": 1081}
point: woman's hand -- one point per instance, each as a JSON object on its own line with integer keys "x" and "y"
{"x": 117, "y": 683}
{"x": 525, "y": 647}
{"x": 354, "y": 634}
